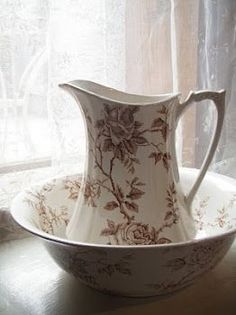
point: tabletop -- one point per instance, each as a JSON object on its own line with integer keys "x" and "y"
{"x": 32, "y": 284}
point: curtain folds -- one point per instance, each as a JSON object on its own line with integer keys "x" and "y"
{"x": 217, "y": 70}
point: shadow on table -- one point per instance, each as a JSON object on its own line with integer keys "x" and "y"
{"x": 76, "y": 298}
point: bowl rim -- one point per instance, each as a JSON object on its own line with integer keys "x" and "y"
{"x": 29, "y": 227}
{"x": 65, "y": 242}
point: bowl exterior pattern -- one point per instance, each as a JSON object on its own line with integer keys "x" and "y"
{"x": 140, "y": 271}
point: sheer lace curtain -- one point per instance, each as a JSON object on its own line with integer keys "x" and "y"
{"x": 144, "y": 47}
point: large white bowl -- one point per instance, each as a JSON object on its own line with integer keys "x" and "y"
{"x": 145, "y": 270}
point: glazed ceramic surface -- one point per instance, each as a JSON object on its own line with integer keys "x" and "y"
{"x": 137, "y": 270}
{"x": 131, "y": 182}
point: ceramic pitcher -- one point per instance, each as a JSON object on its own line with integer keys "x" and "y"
{"x": 131, "y": 193}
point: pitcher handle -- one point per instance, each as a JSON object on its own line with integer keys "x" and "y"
{"x": 219, "y": 100}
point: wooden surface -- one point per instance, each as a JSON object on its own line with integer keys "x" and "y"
{"x": 31, "y": 283}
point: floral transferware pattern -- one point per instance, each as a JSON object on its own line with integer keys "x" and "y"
{"x": 120, "y": 270}
{"x": 131, "y": 164}
{"x": 137, "y": 233}
{"x": 165, "y": 272}
{"x": 184, "y": 269}
{"x": 117, "y": 137}
{"x": 222, "y": 219}
{"x": 51, "y": 218}
{"x": 48, "y": 217}
{"x": 91, "y": 265}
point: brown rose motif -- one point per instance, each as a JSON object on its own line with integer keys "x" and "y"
{"x": 134, "y": 233}
{"x": 137, "y": 233}
{"x": 121, "y": 132}
{"x": 199, "y": 257}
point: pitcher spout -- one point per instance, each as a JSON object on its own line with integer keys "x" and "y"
{"x": 74, "y": 88}
{"x": 85, "y": 86}
{"x": 112, "y": 95}
{"x": 89, "y": 88}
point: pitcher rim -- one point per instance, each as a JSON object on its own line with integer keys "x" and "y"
{"x": 157, "y": 98}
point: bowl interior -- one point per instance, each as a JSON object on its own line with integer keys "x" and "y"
{"x": 46, "y": 208}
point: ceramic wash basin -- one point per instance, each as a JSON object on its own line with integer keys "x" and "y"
{"x": 142, "y": 270}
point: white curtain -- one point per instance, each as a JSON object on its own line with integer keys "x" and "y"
{"x": 216, "y": 70}
{"x": 144, "y": 47}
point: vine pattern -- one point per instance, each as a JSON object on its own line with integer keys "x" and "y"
{"x": 200, "y": 258}
{"x": 119, "y": 135}
{"x": 90, "y": 266}
{"x": 222, "y": 220}
{"x": 49, "y": 217}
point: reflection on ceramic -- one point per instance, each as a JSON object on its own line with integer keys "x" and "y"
{"x": 130, "y": 192}
{"x": 137, "y": 270}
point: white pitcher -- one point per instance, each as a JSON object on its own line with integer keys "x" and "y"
{"x": 131, "y": 192}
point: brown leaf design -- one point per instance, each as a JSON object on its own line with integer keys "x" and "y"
{"x": 140, "y": 184}
{"x": 99, "y": 192}
{"x": 137, "y": 124}
{"x": 120, "y": 153}
{"x": 107, "y": 232}
{"x": 111, "y": 205}
{"x": 169, "y": 199}
{"x": 126, "y": 116}
{"x": 176, "y": 264}
{"x": 135, "y": 160}
{"x": 168, "y": 215}
{"x": 152, "y": 155}
{"x": 122, "y": 269}
{"x": 111, "y": 224}
{"x": 99, "y": 123}
{"x": 165, "y": 163}
{"x": 119, "y": 192}
{"x": 135, "y": 193}
{"x": 131, "y": 146}
{"x": 73, "y": 187}
{"x": 157, "y": 123}
{"x": 135, "y": 182}
{"x": 118, "y": 131}
{"x": 163, "y": 110}
{"x": 126, "y": 162}
{"x": 134, "y": 109}
{"x": 164, "y": 131}
{"x": 164, "y": 240}
{"x": 108, "y": 269}
{"x": 111, "y": 229}
{"x": 165, "y": 159}
{"x": 140, "y": 140}
{"x": 111, "y": 112}
{"x": 132, "y": 206}
{"x": 172, "y": 188}
{"x": 131, "y": 170}
{"x": 157, "y": 156}
{"x": 107, "y": 145}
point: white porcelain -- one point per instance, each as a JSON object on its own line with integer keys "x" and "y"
{"x": 139, "y": 270}
{"x": 131, "y": 182}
